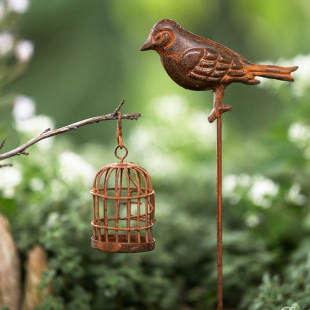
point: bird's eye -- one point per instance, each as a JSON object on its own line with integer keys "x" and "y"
{"x": 157, "y": 37}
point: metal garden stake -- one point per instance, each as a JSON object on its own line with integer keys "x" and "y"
{"x": 197, "y": 63}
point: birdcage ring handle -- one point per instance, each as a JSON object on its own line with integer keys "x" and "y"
{"x": 115, "y": 152}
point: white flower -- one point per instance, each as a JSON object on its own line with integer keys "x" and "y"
{"x": 178, "y": 126}
{"x": 45, "y": 144}
{"x": 229, "y": 184}
{"x": 244, "y": 180}
{"x": 142, "y": 137}
{"x": 294, "y": 195}
{"x": 301, "y": 76}
{"x": 36, "y": 184}
{"x": 18, "y": 6}
{"x": 24, "y": 50}
{"x": 73, "y": 167}
{"x": 261, "y": 191}
{"x": 252, "y": 220}
{"x": 58, "y": 190}
{"x": 24, "y": 107}
{"x": 168, "y": 107}
{"x": 161, "y": 164}
{"x": 35, "y": 124}
{"x": 9, "y": 179}
{"x": 6, "y": 43}
{"x": 52, "y": 219}
{"x": 203, "y": 131}
{"x": 299, "y": 134}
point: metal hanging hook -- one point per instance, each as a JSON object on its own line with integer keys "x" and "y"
{"x": 120, "y": 138}
{"x": 119, "y": 131}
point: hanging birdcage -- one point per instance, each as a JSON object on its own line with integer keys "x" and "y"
{"x": 123, "y": 206}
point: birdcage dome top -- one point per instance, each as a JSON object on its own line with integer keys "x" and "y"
{"x": 127, "y": 174}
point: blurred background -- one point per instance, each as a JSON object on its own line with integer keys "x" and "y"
{"x": 64, "y": 61}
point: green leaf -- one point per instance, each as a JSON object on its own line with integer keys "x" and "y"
{"x": 47, "y": 276}
{"x": 295, "y": 306}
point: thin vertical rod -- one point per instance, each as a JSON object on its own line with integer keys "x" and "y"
{"x": 117, "y": 201}
{"x": 219, "y": 215}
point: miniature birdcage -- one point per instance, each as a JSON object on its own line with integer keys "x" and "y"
{"x": 123, "y": 206}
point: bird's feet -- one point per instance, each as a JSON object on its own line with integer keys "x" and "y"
{"x": 218, "y": 111}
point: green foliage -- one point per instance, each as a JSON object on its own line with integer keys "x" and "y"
{"x": 295, "y": 306}
{"x": 266, "y": 159}
{"x": 51, "y": 303}
{"x": 54, "y": 210}
{"x": 47, "y": 276}
{"x": 266, "y": 215}
{"x": 293, "y": 292}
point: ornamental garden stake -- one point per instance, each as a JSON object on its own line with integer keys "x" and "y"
{"x": 123, "y": 206}
{"x": 197, "y": 63}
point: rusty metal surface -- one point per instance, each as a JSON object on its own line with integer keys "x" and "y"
{"x": 196, "y": 63}
{"x": 122, "y": 246}
{"x": 123, "y": 206}
{"x": 219, "y": 215}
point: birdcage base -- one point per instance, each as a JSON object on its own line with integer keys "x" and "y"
{"x": 123, "y": 246}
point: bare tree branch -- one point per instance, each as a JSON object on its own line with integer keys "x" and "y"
{"x": 6, "y": 165}
{"x": 50, "y": 133}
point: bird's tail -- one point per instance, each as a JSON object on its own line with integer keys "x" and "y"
{"x": 274, "y": 72}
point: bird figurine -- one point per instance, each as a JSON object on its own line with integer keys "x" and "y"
{"x": 196, "y": 63}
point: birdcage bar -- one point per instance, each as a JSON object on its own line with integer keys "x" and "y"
{"x": 120, "y": 193}
{"x": 98, "y": 218}
{"x": 115, "y": 202}
{"x": 146, "y": 204}
{"x": 98, "y": 235}
{"x": 138, "y": 235}
{"x": 127, "y": 206}
{"x": 94, "y": 210}
{"x": 138, "y": 191}
{"x": 151, "y": 214}
{"x": 105, "y": 204}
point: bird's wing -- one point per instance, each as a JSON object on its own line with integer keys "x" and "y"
{"x": 208, "y": 65}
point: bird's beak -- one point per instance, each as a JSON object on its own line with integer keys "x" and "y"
{"x": 147, "y": 45}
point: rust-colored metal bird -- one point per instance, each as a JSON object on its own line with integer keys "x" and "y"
{"x": 197, "y": 63}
